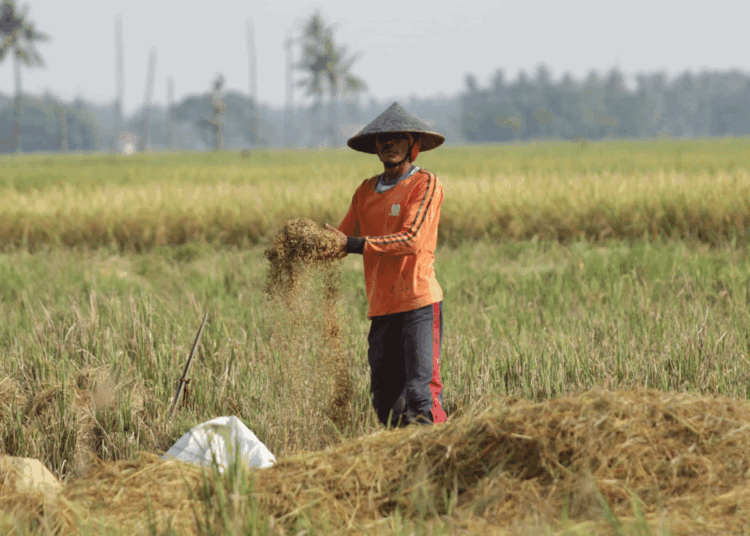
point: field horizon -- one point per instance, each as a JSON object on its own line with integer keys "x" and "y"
{"x": 686, "y": 189}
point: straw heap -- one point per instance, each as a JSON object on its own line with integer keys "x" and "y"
{"x": 676, "y": 461}
{"x": 599, "y": 453}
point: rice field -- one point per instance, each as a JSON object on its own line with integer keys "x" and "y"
{"x": 565, "y": 191}
{"x": 619, "y": 270}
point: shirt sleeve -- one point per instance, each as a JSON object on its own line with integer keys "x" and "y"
{"x": 420, "y": 223}
{"x": 350, "y": 224}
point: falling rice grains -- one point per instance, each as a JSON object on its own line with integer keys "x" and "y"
{"x": 304, "y": 282}
{"x": 299, "y": 245}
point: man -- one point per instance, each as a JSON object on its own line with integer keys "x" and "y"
{"x": 393, "y": 223}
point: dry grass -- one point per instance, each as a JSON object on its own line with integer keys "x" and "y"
{"x": 603, "y": 460}
{"x": 578, "y": 457}
{"x": 698, "y": 190}
{"x": 70, "y": 425}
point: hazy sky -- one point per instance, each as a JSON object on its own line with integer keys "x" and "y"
{"x": 407, "y": 47}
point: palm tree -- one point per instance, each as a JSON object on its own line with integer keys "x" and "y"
{"x": 19, "y": 37}
{"x": 328, "y": 70}
{"x": 314, "y": 62}
{"x": 340, "y": 80}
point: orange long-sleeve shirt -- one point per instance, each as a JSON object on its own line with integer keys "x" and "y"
{"x": 400, "y": 228}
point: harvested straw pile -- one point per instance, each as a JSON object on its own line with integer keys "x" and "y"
{"x": 602, "y": 460}
{"x": 587, "y": 457}
{"x": 28, "y": 497}
{"x": 303, "y": 286}
{"x": 134, "y": 495}
{"x": 34, "y": 511}
{"x": 25, "y": 473}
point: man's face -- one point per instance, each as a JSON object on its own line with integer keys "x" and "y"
{"x": 392, "y": 148}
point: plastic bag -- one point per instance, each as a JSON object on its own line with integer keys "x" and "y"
{"x": 215, "y": 442}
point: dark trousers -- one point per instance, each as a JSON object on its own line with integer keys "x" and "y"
{"x": 404, "y": 357}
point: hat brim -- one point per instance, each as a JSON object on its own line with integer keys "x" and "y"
{"x": 365, "y": 143}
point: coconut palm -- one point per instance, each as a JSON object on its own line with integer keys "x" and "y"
{"x": 18, "y": 37}
{"x": 328, "y": 70}
{"x": 314, "y": 63}
{"x": 340, "y": 80}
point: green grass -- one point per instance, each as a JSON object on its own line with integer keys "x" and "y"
{"x": 530, "y": 319}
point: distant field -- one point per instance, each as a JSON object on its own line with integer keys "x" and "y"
{"x": 560, "y": 191}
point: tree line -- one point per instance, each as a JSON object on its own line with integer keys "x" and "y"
{"x": 325, "y": 69}
{"x": 688, "y": 105}
{"x": 18, "y": 39}
{"x": 529, "y": 107}
{"x": 49, "y": 125}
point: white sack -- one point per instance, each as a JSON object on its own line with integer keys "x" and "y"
{"x": 219, "y": 436}
{"x": 25, "y": 473}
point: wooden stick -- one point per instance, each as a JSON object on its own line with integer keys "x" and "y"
{"x": 184, "y": 379}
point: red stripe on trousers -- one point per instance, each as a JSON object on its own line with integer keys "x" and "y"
{"x": 436, "y": 386}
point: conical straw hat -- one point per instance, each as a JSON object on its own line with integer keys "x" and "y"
{"x": 395, "y": 119}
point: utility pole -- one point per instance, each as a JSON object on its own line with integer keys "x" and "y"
{"x": 147, "y": 99}
{"x": 289, "y": 106}
{"x": 219, "y": 106}
{"x": 170, "y": 111}
{"x": 119, "y": 84}
{"x": 253, "y": 82}
{"x": 62, "y": 129}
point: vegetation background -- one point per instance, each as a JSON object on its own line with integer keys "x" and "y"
{"x": 532, "y": 106}
{"x": 565, "y": 266}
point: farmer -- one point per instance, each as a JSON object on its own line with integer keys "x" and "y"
{"x": 393, "y": 223}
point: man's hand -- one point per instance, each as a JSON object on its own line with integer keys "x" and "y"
{"x": 341, "y": 238}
